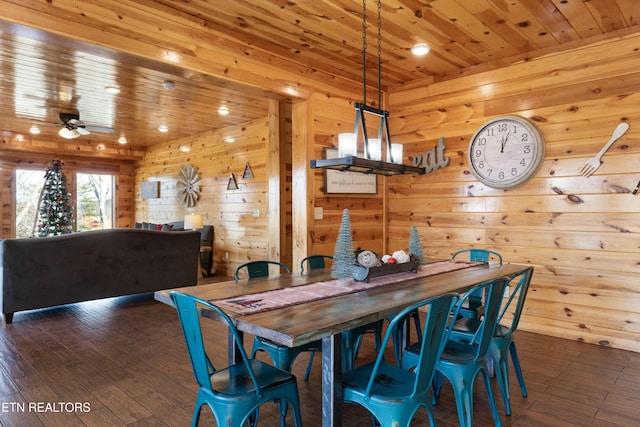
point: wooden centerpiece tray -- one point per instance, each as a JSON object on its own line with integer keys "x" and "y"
{"x": 364, "y": 274}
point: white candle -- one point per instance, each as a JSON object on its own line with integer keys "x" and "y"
{"x": 396, "y": 151}
{"x": 375, "y": 149}
{"x": 347, "y": 144}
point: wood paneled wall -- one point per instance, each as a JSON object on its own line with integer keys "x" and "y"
{"x": 582, "y": 234}
{"x": 239, "y": 235}
{"x": 12, "y": 160}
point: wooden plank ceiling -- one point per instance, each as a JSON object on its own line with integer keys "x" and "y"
{"x": 43, "y": 75}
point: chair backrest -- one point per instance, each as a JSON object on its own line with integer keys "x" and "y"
{"x": 434, "y": 336}
{"x": 494, "y": 290}
{"x": 515, "y": 303}
{"x": 258, "y": 269}
{"x": 479, "y": 255}
{"x": 190, "y": 310}
{"x": 314, "y": 262}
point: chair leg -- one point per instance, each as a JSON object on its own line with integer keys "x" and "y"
{"x": 516, "y": 367}
{"x": 308, "y": 371}
{"x": 501, "y": 370}
{"x": 282, "y": 407}
{"x": 492, "y": 400}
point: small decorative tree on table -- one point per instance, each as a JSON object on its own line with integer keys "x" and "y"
{"x": 343, "y": 256}
{"x": 415, "y": 245}
{"x": 55, "y": 206}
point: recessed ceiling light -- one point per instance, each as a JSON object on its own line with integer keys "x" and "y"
{"x": 185, "y": 149}
{"x": 420, "y": 49}
{"x": 230, "y": 139}
{"x": 112, "y": 89}
{"x": 122, "y": 140}
{"x": 34, "y": 130}
{"x": 19, "y": 138}
{"x": 163, "y": 128}
{"x": 169, "y": 84}
{"x": 223, "y": 111}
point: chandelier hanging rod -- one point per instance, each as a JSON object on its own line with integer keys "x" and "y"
{"x": 372, "y": 162}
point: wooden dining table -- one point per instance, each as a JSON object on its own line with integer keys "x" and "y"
{"x": 327, "y": 318}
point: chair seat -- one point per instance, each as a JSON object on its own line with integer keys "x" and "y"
{"x": 393, "y": 382}
{"x": 283, "y": 356}
{"x": 235, "y": 379}
{"x": 454, "y": 351}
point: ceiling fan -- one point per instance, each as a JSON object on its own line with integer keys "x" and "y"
{"x": 73, "y": 127}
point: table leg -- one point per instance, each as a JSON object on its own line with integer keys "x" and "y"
{"x": 332, "y": 381}
{"x": 233, "y": 355}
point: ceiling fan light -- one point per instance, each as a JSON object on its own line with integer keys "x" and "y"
{"x": 122, "y": 140}
{"x": 223, "y": 111}
{"x": 420, "y": 49}
{"x": 34, "y": 130}
{"x": 65, "y": 133}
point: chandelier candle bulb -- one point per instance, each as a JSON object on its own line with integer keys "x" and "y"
{"x": 347, "y": 144}
{"x": 375, "y": 149}
{"x": 396, "y": 154}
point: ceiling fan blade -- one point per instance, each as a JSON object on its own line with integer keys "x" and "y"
{"x": 82, "y": 131}
{"x": 99, "y": 129}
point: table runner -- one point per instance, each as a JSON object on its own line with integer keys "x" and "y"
{"x": 278, "y": 298}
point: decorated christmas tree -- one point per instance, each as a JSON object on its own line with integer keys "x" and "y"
{"x": 415, "y": 245}
{"x": 343, "y": 256}
{"x": 55, "y": 212}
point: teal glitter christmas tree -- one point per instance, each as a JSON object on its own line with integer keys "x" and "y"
{"x": 415, "y": 245}
{"x": 343, "y": 256}
{"x": 55, "y": 206}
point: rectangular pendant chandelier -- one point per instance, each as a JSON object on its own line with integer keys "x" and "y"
{"x": 372, "y": 162}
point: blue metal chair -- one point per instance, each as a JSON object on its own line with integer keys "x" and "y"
{"x": 282, "y": 356}
{"x": 314, "y": 262}
{"x": 502, "y": 342}
{"x": 234, "y": 394}
{"x": 461, "y": 361}
{"x": 258, "y": 269}
{"x": 475, "y": 306}
{"x": 394, "y": 395}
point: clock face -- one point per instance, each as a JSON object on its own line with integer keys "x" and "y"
{"x": 506, "y": 151}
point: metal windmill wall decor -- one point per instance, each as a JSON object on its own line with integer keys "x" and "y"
{"x": 188, "y": 186}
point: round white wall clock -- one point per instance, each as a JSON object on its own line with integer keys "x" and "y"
{"x": 506, "y": 151}
{"x": 188, "y": 186}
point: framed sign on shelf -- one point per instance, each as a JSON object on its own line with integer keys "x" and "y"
{"x": 339, "y": 182}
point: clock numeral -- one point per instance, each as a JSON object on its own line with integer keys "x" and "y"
{"x": 481, "y": 165}
{"x": 525, "y": 137}
{"x": 502, "y": 127}
{"x": 478, "y": 153}
{"x": 527, "y": 149}
{"x": 514, "y": 171}
{"x": 501, "y": 175}
{"x": 523, "y": 162}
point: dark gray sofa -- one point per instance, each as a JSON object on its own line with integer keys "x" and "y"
{"x": 50, "y": 271}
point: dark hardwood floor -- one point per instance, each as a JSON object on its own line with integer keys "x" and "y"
{"x": 122, "y": 362}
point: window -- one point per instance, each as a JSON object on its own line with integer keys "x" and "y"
{"x": 94, "y": 202}
{"x": 28, "y": 187}
{"x": 93, "y": 194}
